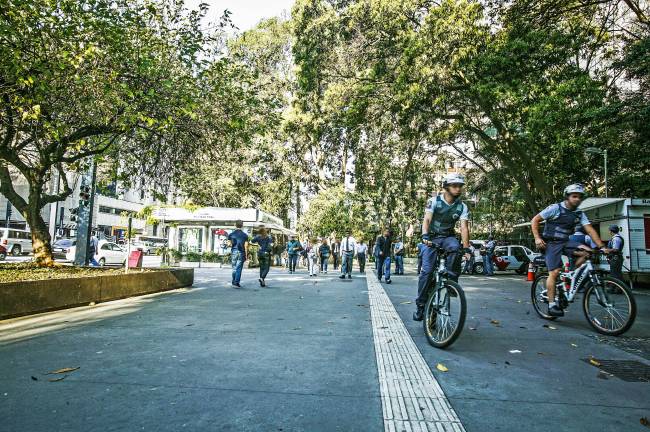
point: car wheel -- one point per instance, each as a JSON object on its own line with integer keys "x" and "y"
{"x": 16, "y": 250}
{"x": 102, "y": 262}
{"x": 3, "y": 256}
{"x": 478, "y": 268}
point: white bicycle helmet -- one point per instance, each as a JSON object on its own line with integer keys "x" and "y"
{"x": 574, "y": 188}
{"x": 453, "y": 178}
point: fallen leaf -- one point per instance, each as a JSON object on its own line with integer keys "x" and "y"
{"x": 405, "y": 302}
{"x": 644, "y": 421}
{"x": 189, "y": 325}
{"x": 507, "y": 362}
{"x": 541, "y": 353}
{"x": 594, "y": 362}
{"x": 61, "y": 378}
{"x": 495, "y": 322}
{"x": 472, "y": 328}
{"x": 297, "y": 328}
{"x": 522, "y": 327}
{"x": 64, "y": 370}
{"x": 550, "y": 327}
{"x": 574, "y": 345}
{"x": 442, "y": 368}
{"x": 34, "y": 378}
{"x": 515, "y": 351}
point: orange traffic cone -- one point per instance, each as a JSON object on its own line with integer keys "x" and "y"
{"x": 531, "y": 272}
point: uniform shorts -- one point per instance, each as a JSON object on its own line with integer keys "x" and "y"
{"x": 554, "y": 251}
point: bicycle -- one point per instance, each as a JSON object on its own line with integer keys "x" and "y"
{"x": 445, "y": 301}
{"x": 613, "y": 297}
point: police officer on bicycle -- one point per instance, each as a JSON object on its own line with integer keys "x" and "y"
{"x": 438, "y": 228}
{"x": 561, "y": 222}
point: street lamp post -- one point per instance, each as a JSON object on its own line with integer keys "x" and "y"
{"x": 596, "y": 150}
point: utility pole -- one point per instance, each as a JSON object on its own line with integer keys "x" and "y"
{"x": 54, "y": 207}
{"x": 85, "y": 214}
{"x": 8, "y": 214}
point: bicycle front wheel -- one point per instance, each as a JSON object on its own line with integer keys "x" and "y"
{"x": 444, "y": 315}
{"x": 610, "y": 307}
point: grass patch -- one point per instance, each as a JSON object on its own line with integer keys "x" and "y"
{"x": 26, "y": 271}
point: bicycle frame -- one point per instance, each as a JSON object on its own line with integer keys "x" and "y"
{"x": 578, "y": 278}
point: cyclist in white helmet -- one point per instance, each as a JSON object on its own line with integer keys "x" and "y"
{"x": 438, "y": 227}
{"x": 561, "y": 222}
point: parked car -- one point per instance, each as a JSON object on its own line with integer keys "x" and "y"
{"x": 16, "y": 241}
{"x": 3, "y": 253}
{"x": 511, "y": 257}
{"x": 108, "y": 253}
{"x": 61, "y": 247}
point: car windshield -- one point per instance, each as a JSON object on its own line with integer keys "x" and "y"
{"x": 63, "y": 243}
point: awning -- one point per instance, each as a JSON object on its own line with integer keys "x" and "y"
{"x": 592, "y": 203}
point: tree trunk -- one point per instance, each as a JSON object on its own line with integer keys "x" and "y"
{"x": 41, "y": 240}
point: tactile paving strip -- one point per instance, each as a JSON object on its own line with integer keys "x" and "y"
{"x": 411, "y": 398}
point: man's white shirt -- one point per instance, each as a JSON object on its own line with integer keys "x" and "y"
{"x": 348, "y": 244}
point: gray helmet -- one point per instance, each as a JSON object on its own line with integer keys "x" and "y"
{"x": 453, "y": 178}
{"x": 574, "y": 188}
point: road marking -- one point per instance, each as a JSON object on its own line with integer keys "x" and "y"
{"x": 411, "y": 398}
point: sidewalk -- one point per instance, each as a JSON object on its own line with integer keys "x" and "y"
{"x": 296, "y": 356}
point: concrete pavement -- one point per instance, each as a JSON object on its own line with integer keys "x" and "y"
{"x": 300, "y": 356}
{"x": 548, "y": 386}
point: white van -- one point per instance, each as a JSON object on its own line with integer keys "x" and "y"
{"x": 16, "y": 241}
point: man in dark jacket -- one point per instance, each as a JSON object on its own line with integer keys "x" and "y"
{"x": 384, "y": 245}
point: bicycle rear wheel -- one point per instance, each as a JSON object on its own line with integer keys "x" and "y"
{"x": 444, "y": 315}
{"x": 610, "y": 308}
{"x": 539, "y": 297}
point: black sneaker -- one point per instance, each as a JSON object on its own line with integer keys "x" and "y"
{"x": 555, "y": 311}
{"x": 236, "y": 284}
{"x": 418, "y": 315}
{"x": 388, "y": 281}
{"x": 261, "y": 282}
{"x": 349, "y": 276}
{"x": 342, "y": 277}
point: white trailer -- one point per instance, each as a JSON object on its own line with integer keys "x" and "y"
{"x": 633, "y": 216}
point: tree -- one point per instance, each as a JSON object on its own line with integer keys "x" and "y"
{"x": 87, "y": 78}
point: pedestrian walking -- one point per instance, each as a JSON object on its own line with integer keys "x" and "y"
{"x": 324, "y": 252}
{"x": 264, "y": 254}
{"x": 398, "y": 253}
{"x": 238, "y": 252}
{"x": 348, "y": 245}
{"x": 420, "y": 246}
{"x": 362, "y": 251}
{"x": 469, "y": 263}
{"x": 312, "y": 257}
{"x": 383, "y": 262}
{"x": 277, "y": 253}
{"x": 336, "y": 253}
{"x": 93, "y": 249}
{"x": 616, "y": 244}
{"x": 293, "y": 250}
{"x": 375, "y": 252}
{"x": 488, "y": 263}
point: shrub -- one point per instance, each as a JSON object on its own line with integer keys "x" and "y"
{"x": 193, "y": 256}
{"x": 209, "y": 256}
{"x": 175, "y": 254}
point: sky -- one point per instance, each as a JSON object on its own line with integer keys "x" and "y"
{"x": 245, "y": 13}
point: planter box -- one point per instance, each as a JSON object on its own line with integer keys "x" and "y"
{"x": 29, "y": 297}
